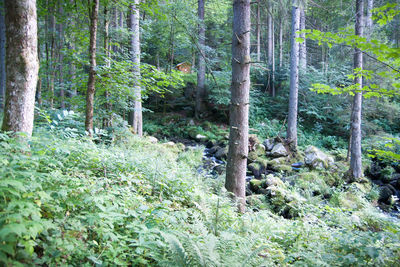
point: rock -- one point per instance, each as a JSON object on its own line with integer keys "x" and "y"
{"x": 169, "y": 144}
{"x": 214, "y": 150}
{"x": 355, "y": 219}
{"x": 257, "y": 168}
{"x": 260, "y": 149}
{"x": 279, "y": 150}
{"x": 211, "y": 143}
{"x": 387, "y": 174}
{"x": 315, "y": 158}
{"x": 273, "y": 181}
{"x": 386, "y": 193}
{"x": 253, "y": 142}
{"x": 191, "y": 122}
{"x": 252, "y": 157}
{"x": 200, "y": 138}
{"x": 222, "y": 153}
{"x": 269, "y": 144}
{"x": 152, "y": 139}
{"x": 374, "y": 170}
{"x": 255, "y": 185}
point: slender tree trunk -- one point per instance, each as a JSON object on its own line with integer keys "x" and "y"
{"x": 258, "y": 29}
{"x": 239, "y": 108}
{"x": 61, "y": 58}
{"x": 303, "y": 46}
{"x": 72, "y": 72}
{"x": 294, "y": 80}
{"x": 172, "y": 48}
{"x": 273, "y": 59}
{"x": 22, "y": 74}
{"x": 107, "y": 120}
{"x": 201, "y": 72}
{"x": 52, "y": 58}
{"x": 2, "y": 55}
{"x": 355, "y": 160}
{"x": 93, "y": 14}
{"x": 280, "y": 43}
{"x": 270, "y": 50}
{"x": 136, "y": 114}
{"x": 369, "y": 21}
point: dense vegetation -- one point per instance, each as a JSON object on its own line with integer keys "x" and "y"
{"x": 70, "y": 201}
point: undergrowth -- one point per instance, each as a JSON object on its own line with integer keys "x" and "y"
{"x": 66, "y": 200}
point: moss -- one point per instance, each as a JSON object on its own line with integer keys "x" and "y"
{"x": 255, "y": 185}
{"x": 252, "y": 157}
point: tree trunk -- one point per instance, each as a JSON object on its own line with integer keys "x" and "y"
{"x": 369, "y": 21}
{"x": 52, "y": 58}
{"x": 2, "y": 56}
{"x": 280, "y": 43}
{"x": 93, "y": 14}
{"x": 258, "y": 29}
{"x": 303, "y": 46}
{"x": 239, "y": 107}
{"x": 107, "y": 120}
{"x": 136, "y": 114}
{"x": 355, "y": 159}
{"x": 22, "y": 65}
{"x": 61, "y": 58}
{"x": 294, "y": 81}
{"x": 201, "y": 72}
{"x": 270, "y": 51}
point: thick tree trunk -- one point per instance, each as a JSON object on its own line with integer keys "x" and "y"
{"x": 355, "y": 160}
{"x": 239, "y": 107}
{"x": 2, "y": 55}
{"x": 22, "y": 65}
{"x": 303, "y": 46}
{"x": 93, "y": 13}
{"x": 136, "y": 114}
{"x": 294, "y": 81}
{"x": 201, "y": 72}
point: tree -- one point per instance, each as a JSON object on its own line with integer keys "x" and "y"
{"x": 303, "y": 46}
{"x": 135, "y": 115}
{"x": 2, "y": 55}
{"x": 22, "y": 65}
{"x": 239, "y": 106}
{"x": 201, "y": 72}
{"x": 270, "y": 50}
{"x": 93, "y": 14}
{"x": 355, "y": 158}
{"x": 291, "y": 135}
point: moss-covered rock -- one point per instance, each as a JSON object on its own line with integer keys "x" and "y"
{"x": 315, "y": 158}
{"x": 255, "y": 185}
{"x": 252, "y": 157}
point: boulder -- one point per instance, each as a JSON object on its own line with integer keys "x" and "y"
{"x": 253, "y": 142}
{"x": 315, "y": 158}
{"x": 252, "y": 157}
{"x": 257, "y": 168}
{"x": 255, "y": 185}
{"x": 200, "y": 138}
{"x": 152, "y": 139}
{"x": 260, "y": 149}
{"x": 279, "y": 150}
{"x": 386, "y": 193}
{"x": 222, "y": 153}
{"x": 269, "y": 144}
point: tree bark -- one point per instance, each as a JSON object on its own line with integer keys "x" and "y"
{"x": 280, "y": 43}
{"x": 61, "y": 58}
{"x": 355, "y": 159}
{"x": 107, "y": 120}
{"x": 258, "y": 29}
{"x": 303, "y": 46}
{"x": 294, "y": 80}
{"x": 22, "y": 65}
{"x": 2, "y": 56}
{"x": 270, "y": 51}
{"x": 369, "y": 21}
{"x": 201, "y": 72}
{"x": 52, "y": 57}
{"x": 239, "y": 107}
{"x": 93, "y": 14}
{"x": 136, "y": 114}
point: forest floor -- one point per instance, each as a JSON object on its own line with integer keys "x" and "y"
{"x": 70, "y": 200}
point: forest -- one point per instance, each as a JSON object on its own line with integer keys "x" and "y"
{"x": 199, "y": 133}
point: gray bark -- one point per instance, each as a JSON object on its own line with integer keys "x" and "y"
{"x": 303, "y": 46}
{"x": 258, "y": 29}
{"x": 239, "y": 107}
{"x": 135, "y": 115}
{"x": 355, "y": 159}
{"x": 270, "y": 51}
{"x": 61, "y": 58}
{"x": 107, "y": 120}
{"x": 294, "y": 80}
{"x": 22, "y": 65}
{"x": 201, "y": 72}
{"x": 2, "y": 55}
{"x": 94, "y": 12}
{"x": 280, "y": 43}
{"x": 369, "y": 22}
